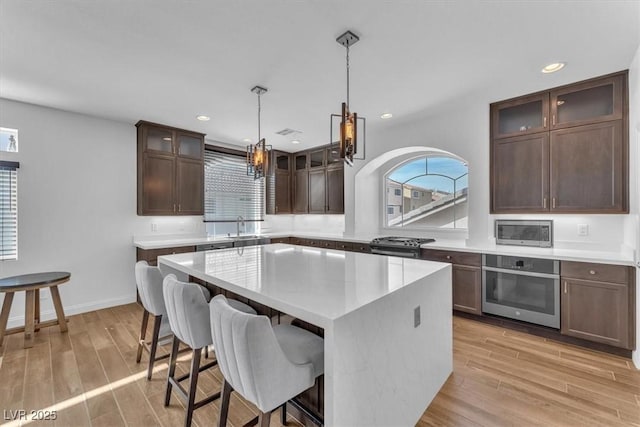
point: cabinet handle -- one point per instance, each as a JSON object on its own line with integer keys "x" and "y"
{"x": 553, "y": 202}
{"x": 565, "y": 287}
{"x": 174, "y": 207}
{"x": 553, "y": 120}
{"x": 544, "y": 122}
{"x": 592, "y": 272}
{"x": 544, "y": 203}
{"x": 448, "y": 256}
{"x": 179, "y": 207}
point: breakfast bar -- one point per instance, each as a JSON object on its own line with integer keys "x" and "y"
{"x": 387, "y": 320}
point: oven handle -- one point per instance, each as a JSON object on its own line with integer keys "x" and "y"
{"x": 521, "y": 273}
{"x": 394, "y": 253}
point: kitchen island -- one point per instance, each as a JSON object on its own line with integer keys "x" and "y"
{"x": 387, "y": 320}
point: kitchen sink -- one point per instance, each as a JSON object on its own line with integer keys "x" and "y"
{"x": 245, "y": 237}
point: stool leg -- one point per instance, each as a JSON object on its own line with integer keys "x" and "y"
{"x": 172, "y": 369}
{"x": 4, "y": 315}
{"x": 143, "y": 333}
{"x": 283, "y": 414}
{"x": 224, "y": 404}
{"x": 193, "y": 384}
{"x": 157, "y": 320}
{"x": 37, "y": 311}
{"x": 55, "y": 297}
{"x": 29, "y": 317}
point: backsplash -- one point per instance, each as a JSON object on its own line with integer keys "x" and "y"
{"x": 329, "y": 224}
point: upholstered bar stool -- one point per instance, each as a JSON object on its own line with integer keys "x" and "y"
{"x": 188, "y": 313}
{"x": 149, "y": 283}
{"x": 268, "y": 365}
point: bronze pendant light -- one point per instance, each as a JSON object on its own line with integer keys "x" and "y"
{"x": 258, "y": 154}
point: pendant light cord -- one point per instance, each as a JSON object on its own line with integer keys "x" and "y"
{"x": 347, "y": 75}
{"x": 258, "y": 118}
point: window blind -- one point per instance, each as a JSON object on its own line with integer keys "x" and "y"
{"x": 8, "y": 210}
{"x": 228, "y": 191}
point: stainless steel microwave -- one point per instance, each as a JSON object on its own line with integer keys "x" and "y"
{"x": 524, "y": 232}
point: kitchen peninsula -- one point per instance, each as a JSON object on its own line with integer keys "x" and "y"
{"x": 386, "y": 320}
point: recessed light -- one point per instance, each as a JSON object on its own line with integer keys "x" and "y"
{"x": 166, "y": 138}
{"x": 552, "y": 68}
{"x": 386, "y": 116}
{"x": 246, "y": 140}
{"x": 295, "y": 141}
{"x": 203, "y": 118}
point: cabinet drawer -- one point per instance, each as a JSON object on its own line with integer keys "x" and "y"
{"x": 328, "y": 244}
{"x": 597, "y": 272}
{"x": 280, "y": 240}
{"x": 361, "y": 247}
{"x": 461, "y": 258}
{"x": 151, "y": 255}
{"x": 298, "y": 241}
{"x": 344, "y": 246}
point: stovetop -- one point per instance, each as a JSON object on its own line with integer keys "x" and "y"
{"x": 393, "y": 241}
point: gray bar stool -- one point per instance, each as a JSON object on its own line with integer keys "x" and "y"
{"x": 268, "y": 365}
{"x": 149, "y": 283}
{"x": 188, "y": 313}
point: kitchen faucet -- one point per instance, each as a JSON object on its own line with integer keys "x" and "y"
{"x": 240, "y": 220}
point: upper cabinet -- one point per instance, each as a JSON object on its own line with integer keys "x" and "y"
{"x": 170, "y": 170}
{"x": 520, "y": 116}
{"x": 315, "y": 183}
{"x": 562, "y": 151}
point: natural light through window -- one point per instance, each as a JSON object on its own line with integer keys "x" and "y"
{"x": 430, "y": 191}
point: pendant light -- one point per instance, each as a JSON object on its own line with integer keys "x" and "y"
{"x": 348, "y": 142}
{"x": 258, "y": 154}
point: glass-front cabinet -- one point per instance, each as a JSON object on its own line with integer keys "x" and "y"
{"x": 158, "y": 139}
{"x": 587, "y": 103}
{"x": 189, "y": 145}
{"x": 520, "y": 116}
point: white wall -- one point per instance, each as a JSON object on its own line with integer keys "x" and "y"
{"x": 326, "y": 224}
{"x": 77, "y": 206}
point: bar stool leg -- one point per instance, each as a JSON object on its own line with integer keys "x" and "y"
{"x": 55, "y": 297}
{"x": 224, "y": 404}
{"x": 193, "y": 384}
{"x": 172, "y": 369}
{"x": 283, "y": 414}
{"x": 37, "y": 311}
{"x": 157, "y": 320}
{"x": 29, "y": 317}
{"x": 4, "y": 315}
{"x": 143, "y": 333}
{"x": 264, "y": 418}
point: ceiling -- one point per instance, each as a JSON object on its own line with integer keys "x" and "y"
{"x": 168, "y": 61}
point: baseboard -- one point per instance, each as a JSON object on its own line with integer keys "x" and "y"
{"x": 18, "y": 321}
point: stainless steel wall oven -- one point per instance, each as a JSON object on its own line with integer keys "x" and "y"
{"x": 526, "y": 289}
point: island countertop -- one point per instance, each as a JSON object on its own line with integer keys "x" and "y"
{"x": 315, "y": 285}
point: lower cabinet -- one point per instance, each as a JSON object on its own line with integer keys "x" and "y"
{"x": 151, "y": 255}
{"x": 598, "y": 303}
{"x": 466, "y": 277}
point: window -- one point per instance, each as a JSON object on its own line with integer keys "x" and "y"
{"x": 8, "y": 210}
{"x": 432, "y": 192}
{"x": 228, "y": 191}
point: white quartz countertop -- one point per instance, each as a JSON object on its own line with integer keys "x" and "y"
{"x": 566, "y": 254}
{"x": 315, "y": 285}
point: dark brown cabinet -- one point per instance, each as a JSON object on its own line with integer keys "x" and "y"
{"x": 576, "y": 161}
{"x": 151, "y": 255}
{"x": 587, "y": 169}
{"x": 335, "y": 189}
{"x": 301, "y": 192}
{"x": 598, "y": 303}
{"x": 520, "y": 173}
{"x": 278, "y": 184}
{"x": 317, "y": 191}
{"x": 466, "y": 277}
{"x": 170, "y": 170}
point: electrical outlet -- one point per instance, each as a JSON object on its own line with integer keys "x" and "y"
{"x": 416, "y": 317}
{"x": 154, "y": 226}
{"x": 583, "y": 229}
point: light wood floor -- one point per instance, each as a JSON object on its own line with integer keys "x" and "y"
{"x": 501, "y": 377}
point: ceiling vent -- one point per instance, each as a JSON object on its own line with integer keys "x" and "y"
{"x": 287, "y": 131}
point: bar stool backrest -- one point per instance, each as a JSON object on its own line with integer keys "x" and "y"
{"x": 149, "y": 283}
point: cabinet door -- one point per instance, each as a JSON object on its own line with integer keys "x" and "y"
{"x": 283, "y": 192}
{"x": 589, "y": 169}
{"x": 190, "y": 145}
{"x": 586, "y": 103}
{"x": 335, "y": 190}
{"x": 596, "y": 311}
{"x": 301, "y": 192}
{"x": 157, "y": 139}
{"x": 520, "y": 174}
{"x": 300, "y": 161}
{"x": 190, "y": 187}
{"x": 317, "y": 158}
{"x": 157, "y": 186}
{"x": 467, "y": 289}
{"x": 522, "y": 116}
{"x": 317, "y": 191}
